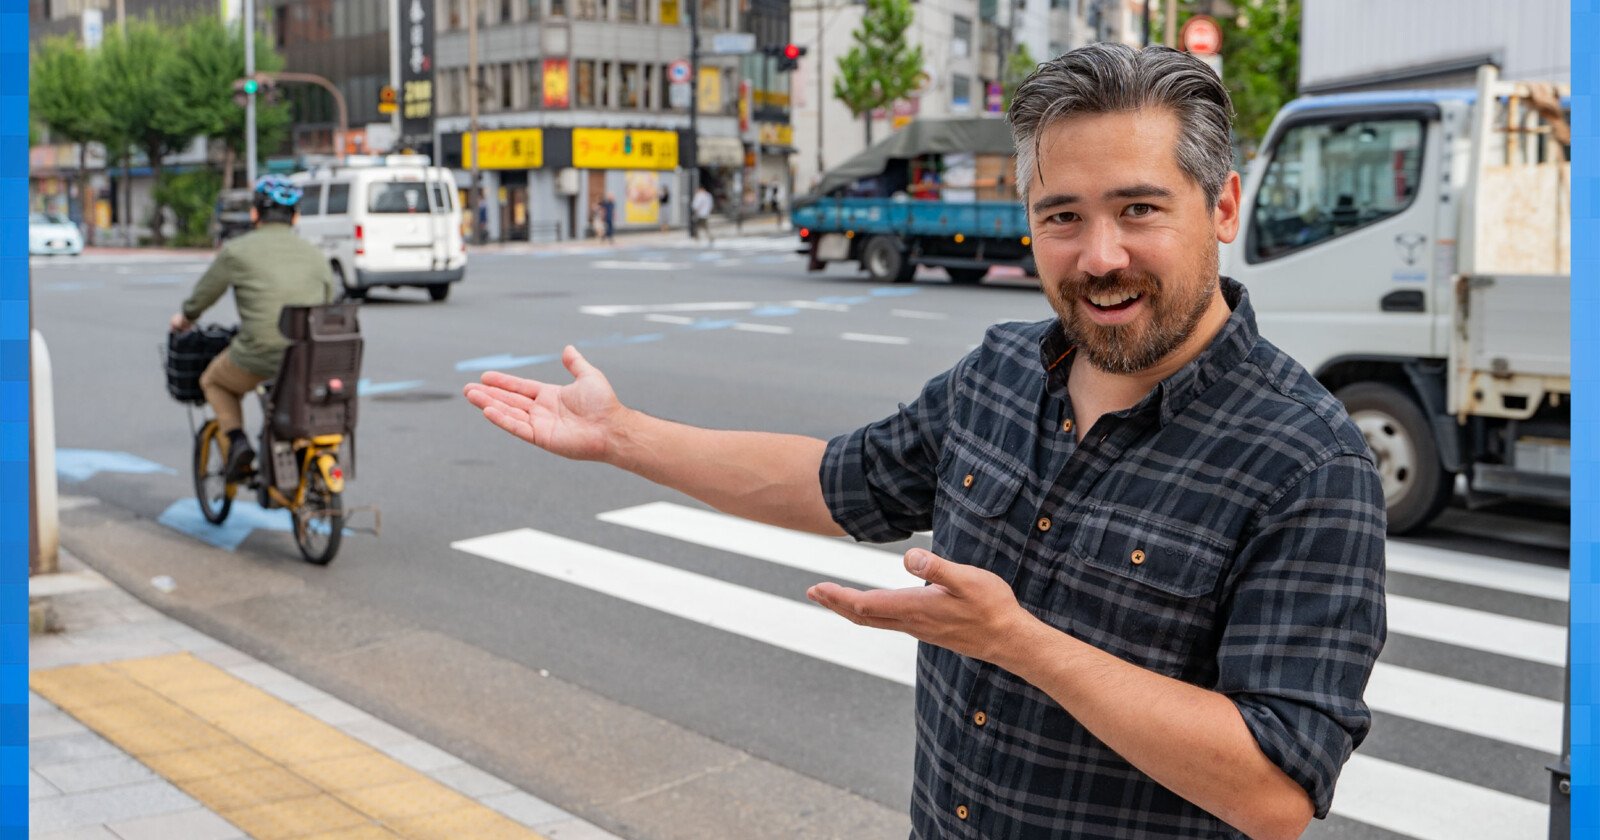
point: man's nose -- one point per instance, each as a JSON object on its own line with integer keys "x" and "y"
{"x": 1103, "y": 251}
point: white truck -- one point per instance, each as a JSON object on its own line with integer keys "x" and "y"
{"x": 1412, "y": 250}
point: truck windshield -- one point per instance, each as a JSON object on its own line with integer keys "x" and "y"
{"x": 1326, "y": 179}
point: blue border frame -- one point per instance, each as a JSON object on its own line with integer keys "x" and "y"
{"x": 1584, "y": 653}
{"x": 14, "y": 419}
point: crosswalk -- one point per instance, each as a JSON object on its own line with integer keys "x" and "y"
{"x": 1390, "y": 797}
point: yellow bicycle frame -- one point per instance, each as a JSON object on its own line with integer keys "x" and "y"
{"x": 320, "y": 452}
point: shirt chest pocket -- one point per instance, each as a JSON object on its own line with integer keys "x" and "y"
{"x": 977, "y": 489}
{"x": 1144, "y": 588}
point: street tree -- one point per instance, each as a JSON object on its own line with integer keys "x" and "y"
{"x": 138, "y": 73}
{"x": 1261, "y": 63}
{"x": 64, "y": 96}
{"x": 880, "y": 68}
{"x": 1019, "y": 66}
{"x": 211, "y": 58}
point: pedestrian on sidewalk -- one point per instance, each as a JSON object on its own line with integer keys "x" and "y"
{"x": 608, "y": 219}
{"x": 700, "y": 211}
{"x": 664, "y": 196}
{"x": 1155, "y": 591}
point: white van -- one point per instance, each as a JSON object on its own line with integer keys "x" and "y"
{"x": 392, "y": 221}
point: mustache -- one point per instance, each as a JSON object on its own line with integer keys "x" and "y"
{"x": 1139, "y": 282}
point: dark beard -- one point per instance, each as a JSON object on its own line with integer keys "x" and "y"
{"x": 1125, "y": 350}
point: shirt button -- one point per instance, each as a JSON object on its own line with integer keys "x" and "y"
{"x": 1044, "y": 523}
{"x": 1138, "y": 556}
{"x": 1066, "y": 425}
{"x": 980, "y": 718}
{"x": 967, "y": 482}
{"x": 961, "y": 812}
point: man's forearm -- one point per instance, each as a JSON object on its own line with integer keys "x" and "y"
{"x": 1192, "y": 741}
{"x": 766, "y": 477}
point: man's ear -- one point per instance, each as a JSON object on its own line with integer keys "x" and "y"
{"x": 1226, "y": 216}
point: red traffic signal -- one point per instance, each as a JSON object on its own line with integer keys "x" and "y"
{"x": 791, "y": 52}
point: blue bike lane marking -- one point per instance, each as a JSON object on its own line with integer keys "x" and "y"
{"x": 83, "y": 464}
{"x": 243, "y": 519}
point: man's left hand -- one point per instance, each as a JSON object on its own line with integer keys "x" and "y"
{"x": 965, "y": 609}
{"x": 179, "y": 323}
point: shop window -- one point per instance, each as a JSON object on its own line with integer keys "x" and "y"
{"x": 507, "y": 88}
{"x": 583, "y": 90}
{"x": 532, "y": 10}
{"x": 710, "y": 13}
{"x": 603, "y": 83}
{"x": 628, "y": 10}
{"x": 960, "y": 93}
{"x": 961, "y": 39}
{"x": 632, "y": 85}
{"x": 505, "y": 11}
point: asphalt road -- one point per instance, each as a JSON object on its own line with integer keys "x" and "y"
{"x": 737, "y": 337}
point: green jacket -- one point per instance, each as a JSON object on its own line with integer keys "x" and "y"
{"x": 269, "y": 268}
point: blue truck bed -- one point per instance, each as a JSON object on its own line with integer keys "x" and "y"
{"x": 996, "y": 219}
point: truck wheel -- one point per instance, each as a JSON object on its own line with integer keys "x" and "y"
{"x": 438, "y": 291}
{"x": 885, "y": 262}
{"x": 350, "y": 292}
{"x": 967, "y": 276}
{"x": 1416, "y": 487}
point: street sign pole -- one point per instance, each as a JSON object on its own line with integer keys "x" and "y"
{"x": 692, "y": 161}
{"x": 250, "y": 100}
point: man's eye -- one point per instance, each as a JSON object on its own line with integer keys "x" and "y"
{"x": 1062, "y": 218}
{"x": 1140, "y": 209}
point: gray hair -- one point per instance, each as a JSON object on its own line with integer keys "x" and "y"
{"x": 1108, "y": 78}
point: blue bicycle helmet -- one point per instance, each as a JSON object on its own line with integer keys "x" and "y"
{"x": 276, "y": 191}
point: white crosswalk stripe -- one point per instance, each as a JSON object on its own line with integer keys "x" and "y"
{"x": 1404, "y": 800}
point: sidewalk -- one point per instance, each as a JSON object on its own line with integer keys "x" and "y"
{"x": 141, "y": 728}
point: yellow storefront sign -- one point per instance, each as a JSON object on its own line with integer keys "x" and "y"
{"x": 616, "y": 148}
{"x": 710, "y": 90}
{"x": 776, "y": 134}
{"x": 669, "y": 12}
{"x": 514, "y": 148}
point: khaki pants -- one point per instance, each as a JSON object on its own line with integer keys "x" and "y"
{"x": 225, "y": 384}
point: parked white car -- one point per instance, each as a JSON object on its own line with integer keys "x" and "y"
{"x": 52, "y": 234}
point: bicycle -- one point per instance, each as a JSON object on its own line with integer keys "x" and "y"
{"x": 308, "y": 413}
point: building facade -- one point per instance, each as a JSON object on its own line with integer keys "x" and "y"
{"x": 1349, "y": 45}
{"x": 964, "y": 46}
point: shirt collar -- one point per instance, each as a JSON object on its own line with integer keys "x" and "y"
{"x": 1230, "y": 347}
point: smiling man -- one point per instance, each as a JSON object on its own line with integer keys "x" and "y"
{"x": 1156, "y": 587}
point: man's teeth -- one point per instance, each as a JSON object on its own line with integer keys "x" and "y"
{"x": 1111, "y": 300}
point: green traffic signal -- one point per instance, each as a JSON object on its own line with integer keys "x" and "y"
{"x": 250, "y": 86}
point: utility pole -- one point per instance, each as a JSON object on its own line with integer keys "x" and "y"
{"x": 1146, "y": 23}
{"x": 250, "y": 100}
{"x": 821, "y": 102}
{"x": 1172, "y": 23}
{"x": 472, "y": 117}
{"x": 394, "y": 71}
{"x": 693, "y": 162}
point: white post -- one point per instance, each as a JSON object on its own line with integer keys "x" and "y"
{"x": 46, "y": 509}
{"x": 250, "y": 102}
{"x": 394, "y": 69}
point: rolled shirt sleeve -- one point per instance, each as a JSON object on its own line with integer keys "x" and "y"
{"x": 1306, "y": 621}
{"x": 879, "y": 480}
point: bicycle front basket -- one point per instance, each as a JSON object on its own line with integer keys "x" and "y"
{"x": 186, "y": 357}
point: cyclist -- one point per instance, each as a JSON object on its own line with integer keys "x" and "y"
{"x": 268, "y": 268}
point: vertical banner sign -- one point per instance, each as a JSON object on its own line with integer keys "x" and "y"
{"x": 669, "y": 12}
{"x": 15, "y": 418}
{"x": 643, "y": 199}
{"x": 557, "y": 83}
{"x": 416, "y": 75}
{"x": 1585, "y": 521}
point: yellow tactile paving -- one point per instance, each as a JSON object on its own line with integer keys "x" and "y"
{"x": 267, "y": 767}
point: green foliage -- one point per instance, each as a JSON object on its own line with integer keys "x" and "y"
{"x": 191, "y": 196}
{"x": 880, "y": 68}
{"x": 1261, "y": 63}
{"x": 211, "y": 57}
{"x": 63, "y": 92}
{"x": 1019, "y": 66}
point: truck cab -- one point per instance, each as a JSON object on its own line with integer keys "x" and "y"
{"x": 1382, "y": 249}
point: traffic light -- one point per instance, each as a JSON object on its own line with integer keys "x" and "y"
{"x": 788, "y": 56}
{"x": 260, "y": 85}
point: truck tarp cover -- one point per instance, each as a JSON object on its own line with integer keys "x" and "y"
{"x": 983, "y": 135}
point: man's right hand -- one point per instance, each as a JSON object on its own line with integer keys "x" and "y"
{"x": 574, "y": 421}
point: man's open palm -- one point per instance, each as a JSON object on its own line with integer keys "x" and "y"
{"x": 573, "y": 420}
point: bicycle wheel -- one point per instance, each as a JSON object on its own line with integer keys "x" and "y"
{"x": 319, "y": 522}
{"x": 210, "y": 473}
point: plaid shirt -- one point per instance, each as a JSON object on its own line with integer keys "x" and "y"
{"x": 1227, "y": 531}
